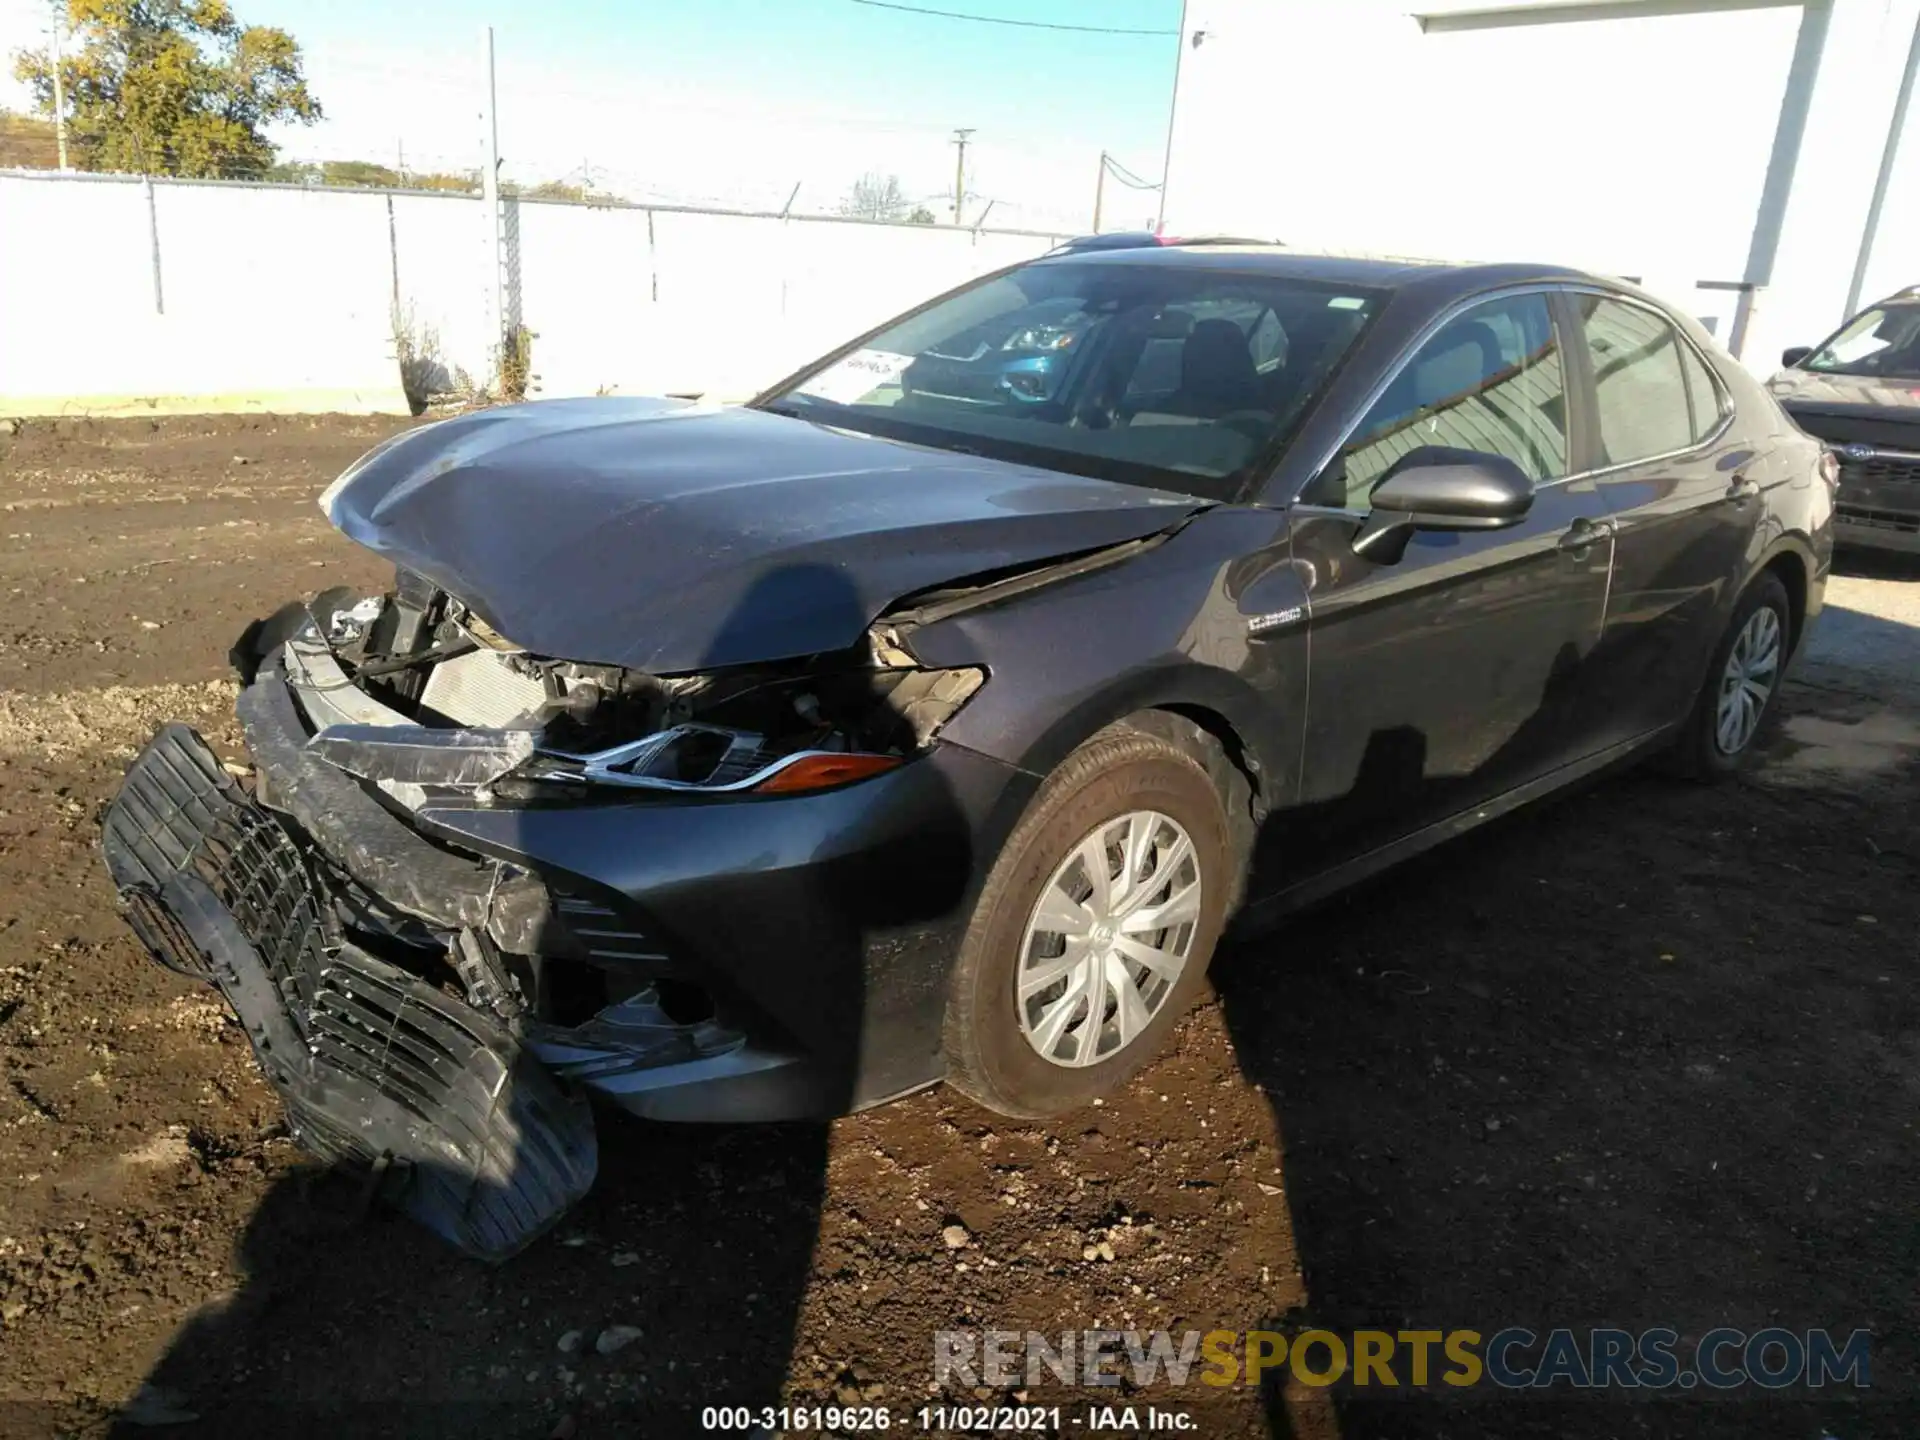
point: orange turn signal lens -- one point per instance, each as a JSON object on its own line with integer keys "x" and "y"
{"x": 817, "y": 772}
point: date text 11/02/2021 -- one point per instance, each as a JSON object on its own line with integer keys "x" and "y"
{"x": 948, "y": 1419}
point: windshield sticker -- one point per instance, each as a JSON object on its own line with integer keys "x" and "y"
{"x": 1345, "y": 302}
{"x": 856, "y": 377}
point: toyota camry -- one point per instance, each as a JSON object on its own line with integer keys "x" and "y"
{"x": 756, "y": 762}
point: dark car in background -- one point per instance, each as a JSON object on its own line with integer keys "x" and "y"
{"x": 1859, "y": 390}
{"x": 773, "y": 761}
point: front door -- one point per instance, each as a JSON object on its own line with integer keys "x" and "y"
{"x": 1458, "y": 671}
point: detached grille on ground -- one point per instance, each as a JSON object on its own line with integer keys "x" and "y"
{"x": 380, "y": 1072}
{"x": 180, "y": 813}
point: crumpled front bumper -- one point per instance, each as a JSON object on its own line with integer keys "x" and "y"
{"x": 446, "y": 1113}
{"x": 631, "y": 1052}
{"x": 820, "y": 927}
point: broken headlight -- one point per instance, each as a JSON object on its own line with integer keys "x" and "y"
{"x": 808, "y": 736}
{"x": 709, "y": 758}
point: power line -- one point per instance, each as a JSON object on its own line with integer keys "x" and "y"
{"x": 1001, "y": 20}
{"x": 1127, "y": 177}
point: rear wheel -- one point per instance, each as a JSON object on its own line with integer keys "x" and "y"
{"x": 1742, "y": 684}
{"x": 1093, "y": 933}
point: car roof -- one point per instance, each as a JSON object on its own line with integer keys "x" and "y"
{"x": 1384, "y": 272}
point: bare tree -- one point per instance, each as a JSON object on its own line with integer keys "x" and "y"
{"x": 875, "y": 197}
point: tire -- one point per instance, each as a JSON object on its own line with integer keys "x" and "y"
{"x": 1125, "y": 771}
{"x": 1701, "y": 751}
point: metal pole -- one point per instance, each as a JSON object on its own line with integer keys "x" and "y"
{"x": 1099, "y": 192}
{"x": 1173, "y": 109}
{"x": 153, "y": 240}
{"x": 490, "y": 203}
{"x": 59, "y": 89}
{"x": 960, "y": 172}
{"x": 1778, "y": 186}
{"x": 1895, "y": 128}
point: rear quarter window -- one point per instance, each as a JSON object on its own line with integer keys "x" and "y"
{"x": 1643, "y": 396}
{"x": 1705, "y": 396}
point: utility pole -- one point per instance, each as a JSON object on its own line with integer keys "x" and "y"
{"x": 59, "y": 86}
{"x": 1173, "y": 114}
{"x": 490, "y": 203}
{"x": 960, "y": 138}
{"x": 1099, "y": 192}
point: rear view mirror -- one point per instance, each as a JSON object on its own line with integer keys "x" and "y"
{"x": 1435, "y": 488}
{"x": 1794, "y": 354}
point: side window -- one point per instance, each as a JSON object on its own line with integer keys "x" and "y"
{"x": 1703, "y": 394}
{"x": 1640, "y": 381}
{"x": 1490, "y": 380}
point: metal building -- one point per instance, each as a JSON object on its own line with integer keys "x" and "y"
{"x": 1739, "y": 157}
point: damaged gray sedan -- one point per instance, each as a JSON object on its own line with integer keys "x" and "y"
{"x": 931, "y": 716}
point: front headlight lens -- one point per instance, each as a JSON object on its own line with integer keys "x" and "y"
{"x": 708, "y": 758}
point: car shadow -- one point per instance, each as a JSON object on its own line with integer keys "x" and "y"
{"x": 673, "y": 1287}
{"x": 1539, "y": 1079}
{"x": 1860, "y": 563}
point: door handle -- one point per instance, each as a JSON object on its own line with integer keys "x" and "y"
{"x": 1584, "y": 534}
{"x": 1742, "y": 489}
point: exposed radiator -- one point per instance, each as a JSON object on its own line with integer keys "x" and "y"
{"x": 483, "y": 689}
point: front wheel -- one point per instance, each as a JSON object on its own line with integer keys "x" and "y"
{"x": 1094, "y": 930}
{"x": 1741, "y": 687}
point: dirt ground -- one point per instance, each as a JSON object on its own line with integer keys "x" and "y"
{"x": 1645, "y": 1056}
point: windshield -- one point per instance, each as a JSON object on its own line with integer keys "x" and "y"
{"x": 1176, "y": 377}
{"x": 1882, "y": 341}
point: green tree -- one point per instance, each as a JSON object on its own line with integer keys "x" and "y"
{"x": 358, "y": 172}
{"x": 295, "y": 172}
{"x": 920, "y": 215}
{"x": 26, "y": 143}
{"x": 545, "y": 190}
{"x": 172, "y": 87}
{"x": 460, "y": 184}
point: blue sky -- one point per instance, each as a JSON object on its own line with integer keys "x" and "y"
{"x": 736, "y": 100}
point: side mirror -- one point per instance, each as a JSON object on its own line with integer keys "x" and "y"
{"x": 1441, "y": 489}
{"x": 1794, "y": 354}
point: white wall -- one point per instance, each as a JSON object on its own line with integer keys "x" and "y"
{"x": 282, "y": 298}
{"x": 646, "y": 301}
{"x": 1629, "y": 147}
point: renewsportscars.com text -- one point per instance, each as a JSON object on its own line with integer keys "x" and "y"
{"x": 1514, "y": 1358}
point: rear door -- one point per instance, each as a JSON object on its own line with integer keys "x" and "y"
{"x": 1684, "y": 492}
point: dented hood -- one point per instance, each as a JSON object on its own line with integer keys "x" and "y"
{"x": 673, "y": 537}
